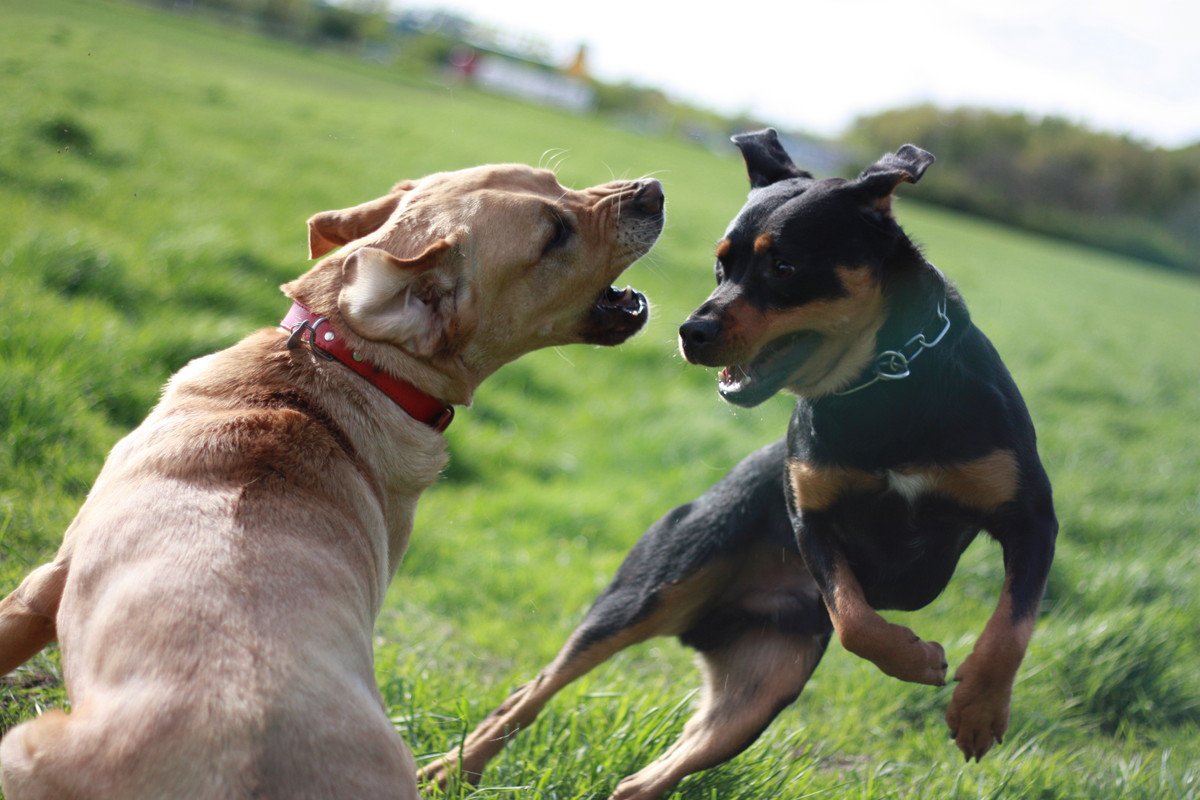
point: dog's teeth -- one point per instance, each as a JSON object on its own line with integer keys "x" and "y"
{"x": 733, "y": 375}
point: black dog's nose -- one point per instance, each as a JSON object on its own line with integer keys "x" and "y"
{"x": 649, "y": 199}
{"x": 698, "y": 332}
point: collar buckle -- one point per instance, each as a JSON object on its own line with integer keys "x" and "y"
{"x": 443, "y": 420}
{"x": 297, "y": 337}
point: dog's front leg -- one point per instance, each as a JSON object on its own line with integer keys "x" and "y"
{"x": 978, "y": 711}
{"x": 27, "y": 615}
{"x": 893, "y": 648}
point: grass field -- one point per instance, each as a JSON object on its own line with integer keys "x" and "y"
{"x": 155, "y": 175}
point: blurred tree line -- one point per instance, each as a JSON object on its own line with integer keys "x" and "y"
{"x": 1044, "y": 174}
{"x": 1055, "y": 177}
{"x": 350, "y": 22}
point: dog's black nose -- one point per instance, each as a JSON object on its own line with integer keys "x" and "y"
{"x": 698, "y": 332}
{"x": 649, "y": 199}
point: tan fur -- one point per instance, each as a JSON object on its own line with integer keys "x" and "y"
{"x": 893, "y": 648}
{"x": 745, "y": 687}
{"x": 215, "y": 596}
{"x": 984, "y": 483}
{"x": 978, "y": 711}
{"x": 816, "y": 488}
{"x": 847, "y": 325}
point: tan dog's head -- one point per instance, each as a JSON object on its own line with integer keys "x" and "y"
{"x": 462, "y": 272}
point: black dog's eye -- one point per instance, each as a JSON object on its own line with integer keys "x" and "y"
{"x": 559, "y": 236}
{"x": 719, "y": 273}
{"x": 784, "y": 269}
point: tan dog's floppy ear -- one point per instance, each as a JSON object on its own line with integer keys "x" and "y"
{"x": 332, "y": 229}
{"x": 405, "y": 301}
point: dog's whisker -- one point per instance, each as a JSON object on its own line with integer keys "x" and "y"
{"x": 550, "y": 156}
{"x": 558, "y": 351}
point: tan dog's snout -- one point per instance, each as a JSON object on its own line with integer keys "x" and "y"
{"x": 649, "y": 199}
{"x": 642, "y": 217}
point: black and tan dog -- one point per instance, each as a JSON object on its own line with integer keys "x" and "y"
{"x": 909, "y": 437}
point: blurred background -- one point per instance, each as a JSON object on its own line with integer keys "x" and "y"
{"x": 158, "y": 162}
{"x": 1081, "y": 120}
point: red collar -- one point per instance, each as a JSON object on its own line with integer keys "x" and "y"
{"x": 326, "y": 342}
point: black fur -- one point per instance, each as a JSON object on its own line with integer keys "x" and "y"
{"x": 958, "y": 404}
{"x": 743, "y": 511}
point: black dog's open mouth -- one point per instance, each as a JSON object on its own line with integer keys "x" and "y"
{"x": 750, "y": 384}
{"x": 616, "y": 315}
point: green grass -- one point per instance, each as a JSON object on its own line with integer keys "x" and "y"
{"x": 155, "y": 175}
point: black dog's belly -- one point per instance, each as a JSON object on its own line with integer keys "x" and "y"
{"x": 902, "y": 553}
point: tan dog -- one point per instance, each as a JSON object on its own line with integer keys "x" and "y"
{"x": 215, "y": 596}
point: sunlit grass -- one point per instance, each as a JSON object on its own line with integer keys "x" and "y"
{"x": 157, "y": 227}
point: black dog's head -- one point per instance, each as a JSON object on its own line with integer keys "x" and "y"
{"x": 800, "y": 275}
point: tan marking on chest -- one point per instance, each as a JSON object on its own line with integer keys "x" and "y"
{"x": 817, "y": 487}
{"x": 983, "y": 483}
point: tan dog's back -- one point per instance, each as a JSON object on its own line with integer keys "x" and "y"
{"x": 184, "y": 613}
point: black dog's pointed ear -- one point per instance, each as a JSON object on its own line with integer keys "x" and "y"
{"x": 880, "y": 180}
{"x": 766, "y": 160}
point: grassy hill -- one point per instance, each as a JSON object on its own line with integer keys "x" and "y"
{"x": 155, "y": 175}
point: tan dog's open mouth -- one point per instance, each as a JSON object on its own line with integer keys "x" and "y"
{"x": 616, "y": 315}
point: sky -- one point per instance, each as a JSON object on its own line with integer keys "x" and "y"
{"x": 1129, "y": 67}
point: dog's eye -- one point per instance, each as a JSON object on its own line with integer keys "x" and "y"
{"x": 559, "y": 236}
{"x": 719, "y": 272}
{"x": 784, "y": 269}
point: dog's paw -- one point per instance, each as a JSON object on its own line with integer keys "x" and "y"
{"x": 434, "y": 774}
{"x": 635, "y": 788}
{"x": 915, "y": 660}
{"x": 439, "y": 773}
{"x": 978, "y": 713}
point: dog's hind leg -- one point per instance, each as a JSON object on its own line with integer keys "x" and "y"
{"x": 747, "y": 683}
{"x": 673, "y": 575}
{"x": 27, "y": 615}
{"x": 622, "y": 616}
